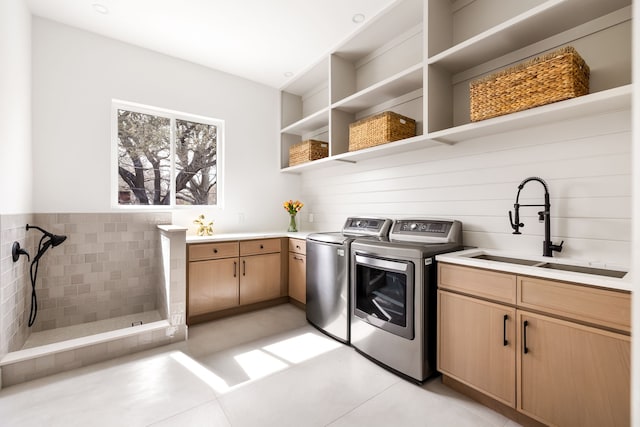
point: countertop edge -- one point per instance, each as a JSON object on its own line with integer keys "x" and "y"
{"x": 247, "y": 236}
{"x": 464, "y": 258}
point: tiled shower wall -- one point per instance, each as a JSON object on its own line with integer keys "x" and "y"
{"x": 14, "y": 283}
{"x": 109, "y": 266}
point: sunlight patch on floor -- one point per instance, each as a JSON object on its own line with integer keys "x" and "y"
{"x": 200, "y": 371}
{"x": 260, "y": 362}
{"x": 257, "y": 364}
{"x": 302, "y": 347}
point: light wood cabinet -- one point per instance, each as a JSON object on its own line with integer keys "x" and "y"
{"x": 260, "y": 279}
{"x": 213, "y": 285}
{"x": 227, "y": 275}
{"x": 571, "y": 356}
{"x": 418, "y": 56}
{"x": 213, "y": 277}
{"x": 573, "y": 375}
{"x": 476, "y": 345}
{"x": 298, "y": 270}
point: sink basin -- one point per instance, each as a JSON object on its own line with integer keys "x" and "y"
{"x": 553, "y": 266}
{"x": 585, "y": 270}
{"x": 506, "y": 259}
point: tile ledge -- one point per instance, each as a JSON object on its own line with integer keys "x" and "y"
{"x": 172, "y": 228}
{"x": 72, "y": 344}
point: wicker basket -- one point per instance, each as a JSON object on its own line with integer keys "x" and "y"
{"x": 307, "y": 151}
{"x": 557, "y": 76}
{"x": 380, "y": 129}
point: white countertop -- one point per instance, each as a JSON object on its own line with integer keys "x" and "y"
{"x": 247, "y": 236}
{"x": 465, "y": 258}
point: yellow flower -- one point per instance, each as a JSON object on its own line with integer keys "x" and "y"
{"x": 293, "y": 207}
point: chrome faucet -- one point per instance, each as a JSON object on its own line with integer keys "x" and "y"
{"x": 547, "y": 246}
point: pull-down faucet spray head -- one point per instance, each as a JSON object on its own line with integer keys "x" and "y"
{"x": 543, "y": 216}
{"x": 516, "y": 224}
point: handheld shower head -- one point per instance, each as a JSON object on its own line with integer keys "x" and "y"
{"x": 56, "y": 240}
{"x": 48, "y": 240}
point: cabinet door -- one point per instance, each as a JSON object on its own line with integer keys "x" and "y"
{"x": 572, "y": 375}
{"x": 213, "y": 285}
{"x": 476, "y": 345}
{"x": 298, "y": 277}
{"x": 260, "y": 278}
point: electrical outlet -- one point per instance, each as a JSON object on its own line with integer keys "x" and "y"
{"x": 240, "y": 218}
{"x": 310, "y": 217}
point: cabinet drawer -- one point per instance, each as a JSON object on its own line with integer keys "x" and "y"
{"x": 298, "y": 246}
{"x": 603, "y": 307}
{"x": 478, "y": 282}
{"x": 203, "y": 251}
{"x": 264, "y": 246}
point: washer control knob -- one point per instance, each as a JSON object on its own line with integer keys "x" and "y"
{"x": 414, "y": 226}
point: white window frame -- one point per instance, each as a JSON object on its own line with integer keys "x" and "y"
{"x": 172, "y": 115}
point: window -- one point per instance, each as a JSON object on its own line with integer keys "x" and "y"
{"x": 165, "y": 157}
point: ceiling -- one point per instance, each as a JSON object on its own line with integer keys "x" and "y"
{"x": 262, "y": 40}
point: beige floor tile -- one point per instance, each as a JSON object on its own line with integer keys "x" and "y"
{"x": 266, "y": 368}
{"x": 313, "y": 393}
{"x": 138, "y": 392}
{"x": 407, "y": 404}
{"x": 209, "y": 414}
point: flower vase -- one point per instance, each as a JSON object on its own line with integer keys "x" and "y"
{"x": 293, "y": 227}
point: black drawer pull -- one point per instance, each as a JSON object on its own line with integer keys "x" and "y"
{"x": 504, "y": 330}
{"x": 261, "y": 246}
{"x": 524, "y": 333}
{"x": 215, "y": 251}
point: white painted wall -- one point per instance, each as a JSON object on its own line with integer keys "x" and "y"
{"x": 15, "y": 107}
{"x": 76, "y": 74}
{"x": 635, "y": 343}
{"x": 586, "y": 164}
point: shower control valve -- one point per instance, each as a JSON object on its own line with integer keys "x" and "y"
{"x": 16, "y": 251}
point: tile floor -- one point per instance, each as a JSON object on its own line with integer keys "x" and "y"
{"x": 266, "y": 368}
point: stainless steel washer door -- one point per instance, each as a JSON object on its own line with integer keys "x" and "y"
{"x": 328, "y": 288}
{"x": 383, "y": 293}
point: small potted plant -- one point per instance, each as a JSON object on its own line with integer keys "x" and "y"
{"x": 204, "y": 228}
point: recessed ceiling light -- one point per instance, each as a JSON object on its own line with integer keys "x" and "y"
{"x": 288, "y": 74}
{"x": 100, "y": 8}
{"x": 357, "y": 18}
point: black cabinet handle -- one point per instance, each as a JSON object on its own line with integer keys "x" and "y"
{"x": 504, "y": 330}
{"x": 235, "y": 264}
{"x": 244, "y": 268}
{"x": 215, "y": 251}
{"x": 261, "y": 246}
{"x": 297, "y": 246}
{"x": 524, "y": 333}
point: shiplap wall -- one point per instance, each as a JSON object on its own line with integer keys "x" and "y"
{"x": 585, "y": 162}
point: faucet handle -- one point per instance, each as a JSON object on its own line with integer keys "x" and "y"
{"x": 557, "y": 248}
{"x": 515, "y": 225}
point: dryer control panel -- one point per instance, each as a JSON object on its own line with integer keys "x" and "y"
{"x": 426, "y": 230}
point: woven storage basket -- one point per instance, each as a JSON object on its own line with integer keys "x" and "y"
{"x": 553, "y": 77}
{"x": 307, "y": 151}
{"x": 380, "y": 129}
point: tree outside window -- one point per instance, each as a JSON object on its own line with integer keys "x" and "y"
{"x": 166, "y": 160}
